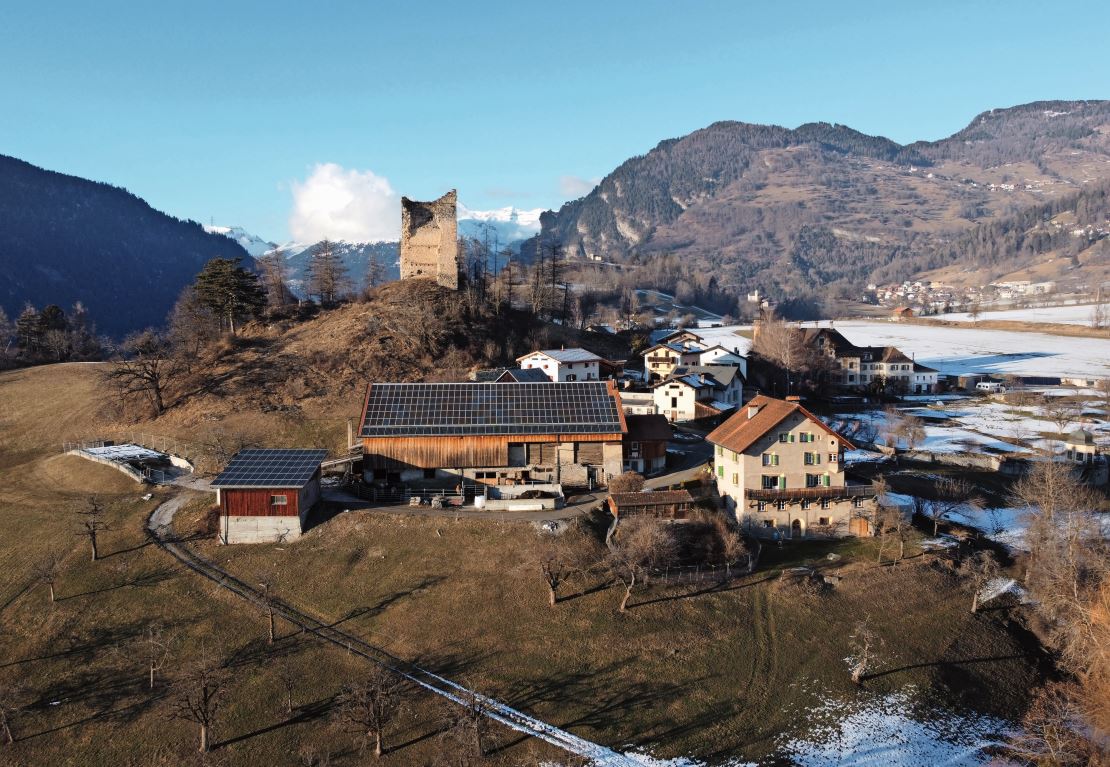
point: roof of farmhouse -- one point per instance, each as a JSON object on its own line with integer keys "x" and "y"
{"x": 565, "y": 355}
{"x": 484, "y": 409}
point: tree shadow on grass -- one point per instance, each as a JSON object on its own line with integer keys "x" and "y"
{"x": 714, "y": 587}
{"x": 945, "y": 663}
{"x": 152, "y": 578}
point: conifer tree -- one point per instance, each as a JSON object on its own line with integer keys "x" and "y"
{"x": 230, "y": 291}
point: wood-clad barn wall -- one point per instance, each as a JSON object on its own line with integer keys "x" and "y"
{"x": 473, "y": 451}
{"x": 256, "y": 503}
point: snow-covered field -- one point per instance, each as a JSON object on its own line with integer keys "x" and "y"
{"x": 887, "y": 730}
{"x": 956, "y": 350}
{"x": 1072, "y": 314}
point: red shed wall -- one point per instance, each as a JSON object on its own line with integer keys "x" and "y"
{"x": 256, "y": 503}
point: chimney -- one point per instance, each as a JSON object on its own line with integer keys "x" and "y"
{"x": 793, "y": 398}
{"x": 752, "y": 410}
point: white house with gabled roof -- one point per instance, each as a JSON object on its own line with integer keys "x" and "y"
{"x": 562, "y": 365}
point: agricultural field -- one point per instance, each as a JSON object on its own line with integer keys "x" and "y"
{"x": 956, "y": 350}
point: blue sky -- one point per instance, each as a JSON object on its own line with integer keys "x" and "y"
{"x": 226, "y": 110}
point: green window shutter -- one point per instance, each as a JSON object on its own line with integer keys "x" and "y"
{"x": 782, "y": 482}
{"x": 721, "y": 471}
{"x": 775, "y": 459}
{"x": 825, "y": 480}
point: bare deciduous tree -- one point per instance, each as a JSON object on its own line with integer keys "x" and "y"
{"x": 951, "y": 494}
{"x": 156, "y": 648}
{"x": 145, "y": 369}
{"x": 641, "y": 545}
{"x": 199, "y": 695}
{"x": 275, "y": 278}
{"x": 91, "y": 523}
{"x": 468, "y": 724}
{"x": 864, "y": 643}
{"x": 982, "y": 570}
{"x": 563, "y": 556}
{"x": 267, "y": 600}
{"x": 10, "y": 695}
{"x": 628, "y": 482}
{"x": 46, "y": 572}
{"x": 370, "y": 703}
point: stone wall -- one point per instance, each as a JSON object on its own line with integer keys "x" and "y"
{"x": 235, "y": 529}
{"x": 429, "y": 240}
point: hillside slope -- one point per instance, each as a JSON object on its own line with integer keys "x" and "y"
{"x": 787, "y": 210}
{"x": 65, "y": 239}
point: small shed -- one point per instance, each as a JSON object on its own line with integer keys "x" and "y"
{"x": 265, "y": 495}
{"x": 665, "y": 504}
{"x": 902, "y": 313}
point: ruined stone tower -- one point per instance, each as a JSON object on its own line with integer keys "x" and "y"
{"x": 429, "y": 241}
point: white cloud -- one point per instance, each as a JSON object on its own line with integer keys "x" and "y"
{"x": 576, "y": 186}
{"x": 342, "y": 204}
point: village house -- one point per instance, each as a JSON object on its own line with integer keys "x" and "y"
{"x": 780, "y": 470}
{"x": 870, "y": 367}
{"x": 566, "y": 434}
{"x": 662, "y": 504}
{"x": 645, "y": 444}
{"x": 265, "y": 495}
{"x": 902, "y": 313}
{"x": 661, "y": 360}
{"x": 693, "y": 392}
{"x": 719, "y": 346}
{"x": 562, "y": 365}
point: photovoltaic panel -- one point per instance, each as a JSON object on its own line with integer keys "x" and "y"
{"x": 448, "y": 409}
{"x": 270, "y": 467}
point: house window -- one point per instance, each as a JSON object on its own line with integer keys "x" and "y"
{"x": 720, "y": 450}
{"x": 279, "y": 500}
{"x": 736, "y": 479}
{"x": 780, "y": 505}
{"x": 824, "y": 503}
{"x": 805, "y": 436}
{"x": 735, "y": 457}
{"x": 761, "y": 506}
{"x": 812, "y": 459}
{"x": 813, "y": 480}
{"x": 770, "y": 459}
{"x": 783, "y": 436}
{"x": 805, "y": 505}
{"x": 770, "y": 523}
{"x": 429, "y": 473}
{"x": 834, "y": 458}
{"x": 823, "y": 521}
{"x": 572, "y": 377}
{"x": 857, "y": 502}
{"x": 674, "y": 402}
{"x": 770, "y": 481}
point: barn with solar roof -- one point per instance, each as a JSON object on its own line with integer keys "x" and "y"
{"x": 500, "y": 434}
{"x": 265, "y": 495}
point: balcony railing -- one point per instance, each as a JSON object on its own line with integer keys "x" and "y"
{"x": 811, "y": 493}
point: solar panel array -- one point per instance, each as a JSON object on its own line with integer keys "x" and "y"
{"x": 429, "y": 409}
{"x": 270, "y": 468}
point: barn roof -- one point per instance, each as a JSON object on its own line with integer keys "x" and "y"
{"x": 522, "y": 375}
{"x": 655, "y": 498}
{"x": 501, "y": 409}
{"x": 270, "y": 468}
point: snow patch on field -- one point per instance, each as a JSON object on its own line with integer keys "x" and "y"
{"x": 1072, "y": 314}
{"x": 885, "y": 731}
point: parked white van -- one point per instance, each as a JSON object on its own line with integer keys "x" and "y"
{"x": 990, "y": 387}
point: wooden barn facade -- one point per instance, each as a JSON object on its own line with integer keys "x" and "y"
{"x": 266, "y": 495}
{"x": 494, "y": 433}
{"x": 663, "y": 504}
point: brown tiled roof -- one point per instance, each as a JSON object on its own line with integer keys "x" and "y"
{"x": 657, "y": 498}
{"x": 740, "y": 432}
{"x": 648, "y": 428}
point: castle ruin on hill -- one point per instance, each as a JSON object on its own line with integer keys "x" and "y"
{"x": 429, "y": 240}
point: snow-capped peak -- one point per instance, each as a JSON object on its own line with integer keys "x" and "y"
{"x": 251, "y": 243}
{"x": 523, "y": 218}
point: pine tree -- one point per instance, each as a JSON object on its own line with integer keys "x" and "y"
{"x": 230, "y": 291}
{"x": 327, "y": 277}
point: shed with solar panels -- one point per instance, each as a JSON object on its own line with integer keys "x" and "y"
{"x": 502, "y": 434}
{"x": 265, "y": 495}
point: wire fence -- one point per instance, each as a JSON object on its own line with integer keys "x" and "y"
{"x": 701, "y": 573}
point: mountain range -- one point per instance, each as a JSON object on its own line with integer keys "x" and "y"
{"x": 65, "y": 239}
{"x": 789, "y": 211}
